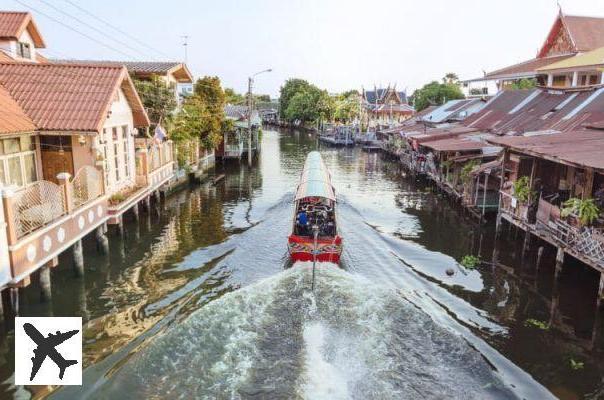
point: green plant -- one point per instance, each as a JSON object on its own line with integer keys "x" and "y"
{"x": 522, "y": 189}
{"x": 576, "y": 365}
{"x": 117, "y": 198}
{"x": 467, "y": 170}
{"x": 470, "y": 261}
{"x": 586, "y": 210}
{"x": 535, "y": 323}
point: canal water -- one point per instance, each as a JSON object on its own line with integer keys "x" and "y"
{"x": 200, "y": 301}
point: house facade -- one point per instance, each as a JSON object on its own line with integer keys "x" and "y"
{"x": 20, "y": 39}
{"x": 70, "y": 158}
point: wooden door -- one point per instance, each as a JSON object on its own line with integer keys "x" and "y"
{"x": 55, "y": 162}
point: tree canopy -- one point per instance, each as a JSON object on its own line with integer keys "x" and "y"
{"x": 157, "y": 97}
{"x": 435, "y": 93}
{"x": 202, "y": 115}
{"x": 288, "y": 90}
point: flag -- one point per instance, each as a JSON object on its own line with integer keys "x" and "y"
{"x": 159, "y": 134}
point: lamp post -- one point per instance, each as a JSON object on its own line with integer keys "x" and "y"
{"x": 250, "y": 82}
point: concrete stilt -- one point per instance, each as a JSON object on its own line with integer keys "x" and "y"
{"x": 498, "y": 226}
{"x": 102, "y": 243}
{"x": 78, "y": 258}
{"x": 147, "y": 204}
{"x": 120, "y": 227}
{"x": 10, "y": 306}
{"x": 45, "y": 283}
{"x": 135, "y": 212}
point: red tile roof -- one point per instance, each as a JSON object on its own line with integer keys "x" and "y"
{"x": 69, "y": 97}
{"x": 12, "y": 117}
{"x": 13, "y": 23}
{"x": 579, "y": 148}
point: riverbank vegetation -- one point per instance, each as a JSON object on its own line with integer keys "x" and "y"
{"x": 301, "y": 102}
{"x": 437, "y": 93}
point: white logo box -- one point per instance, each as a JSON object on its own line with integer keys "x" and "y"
{"x": 68, "y": 353}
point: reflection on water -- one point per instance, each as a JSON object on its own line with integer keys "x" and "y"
{"x": 198, "y": 301}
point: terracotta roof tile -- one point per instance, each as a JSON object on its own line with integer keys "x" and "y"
{"x": 13, "y": 23}
{"x": 12, "y": 117}
{"x": 69, "y": 97}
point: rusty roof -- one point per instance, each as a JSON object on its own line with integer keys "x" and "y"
{"x": 69, "y": 97}
{"x": 577, "y": 148}
{"x": 468, "y": 142}
{"x": 13, "y": 23}
{"x": 12, "y": 117}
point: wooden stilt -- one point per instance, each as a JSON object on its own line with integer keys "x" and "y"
{"x": 559, "y": 262}
{"x": 78, "y": 258}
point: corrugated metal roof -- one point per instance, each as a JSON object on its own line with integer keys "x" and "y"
{"x": 12, "y": 117}
{"x": 69, "y": 97}
{"x": 467, "y": 142}
{"x": 453, "y": 109}
{"x": 580, "y": 148}
{"x": 178, "y": 69}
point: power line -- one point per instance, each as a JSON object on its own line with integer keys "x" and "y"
{"x": 82, "y": 9}
{"x": 75, "y": 30}
{"x": 93, "y": 28}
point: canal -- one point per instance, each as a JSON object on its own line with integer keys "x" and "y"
{"x": 199, "y": 300}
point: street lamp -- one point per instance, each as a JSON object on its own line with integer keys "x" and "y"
{"x": 250, "y": 82}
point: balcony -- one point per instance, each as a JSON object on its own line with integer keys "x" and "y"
{"x": 43, "y": 219}
{"x": 154, "y": 167}
{"x": 583, "y": 242}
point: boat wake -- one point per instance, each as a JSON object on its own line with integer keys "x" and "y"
{"x": 349, "y": 339}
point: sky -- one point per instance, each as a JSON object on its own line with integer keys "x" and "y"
{"x": 335, "y": 44}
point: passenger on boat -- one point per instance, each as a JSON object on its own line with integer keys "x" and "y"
{"x": 302, "y": 221}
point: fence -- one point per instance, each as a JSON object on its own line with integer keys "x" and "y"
{"x": 86, "y": 185}
{"x": 37, "y": 205}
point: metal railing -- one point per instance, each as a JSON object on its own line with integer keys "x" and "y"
{"x": 37, "y": 205}
{"x": 86, "y": 185}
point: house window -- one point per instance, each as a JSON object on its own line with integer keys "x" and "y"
{"x": 116, "y": 154}
{"x": 105, "y": 160}
{"x": 17, "y": 161}
{"x": 23, "y": 50}
{"x": 126, "y": 151}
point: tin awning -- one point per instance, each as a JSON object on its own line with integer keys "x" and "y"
{"x": 315, "y": 180}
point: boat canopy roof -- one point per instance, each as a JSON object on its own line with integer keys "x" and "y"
{"x": 315, "y": 180}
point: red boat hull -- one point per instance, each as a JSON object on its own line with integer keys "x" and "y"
{"x": 328, "y": 249}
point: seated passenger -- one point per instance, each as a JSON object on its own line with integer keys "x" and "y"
{"x": 302, "y": 221}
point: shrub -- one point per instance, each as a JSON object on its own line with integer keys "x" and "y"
{"x": 522, "y": 190}
{"x": 470, "y": 261}
{"x": 586, "y": 210}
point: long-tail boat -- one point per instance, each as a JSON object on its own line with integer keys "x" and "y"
{"x": 314, "y": 235}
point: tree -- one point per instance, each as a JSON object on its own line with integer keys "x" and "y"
{"x": 231, "y": 97}
{"x": 202, "y": 115}
{"x": 523, "y": 83}
{"x": 288, "y": 90}
{"x": 347, "y": 106}
{"x": 435, "y": 93}
{"x": 157, "y": 97}
{"x": 451, "y": 77}
{"x": 309, "y": 104}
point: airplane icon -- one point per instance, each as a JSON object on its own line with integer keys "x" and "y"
{"x": 46, "y": 347}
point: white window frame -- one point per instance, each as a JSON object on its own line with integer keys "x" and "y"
{"x": 4, "y": 158}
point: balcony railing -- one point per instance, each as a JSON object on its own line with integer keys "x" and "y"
{"x": 43, "y": 202}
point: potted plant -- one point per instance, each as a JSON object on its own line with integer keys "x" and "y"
{"x": 586, "y": 210}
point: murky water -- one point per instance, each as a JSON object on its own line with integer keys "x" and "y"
{"x": 201, "y": 301}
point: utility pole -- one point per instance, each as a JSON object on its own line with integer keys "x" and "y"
{"x": 249, "y": 121}
{"x": 185, "y": 44}
{"x": 250, "y": 108}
